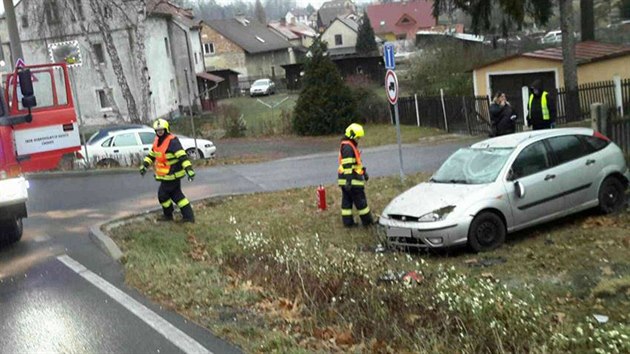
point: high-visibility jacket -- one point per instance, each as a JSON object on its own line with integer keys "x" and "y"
{"x": 350, "y": 166}
{"x": 171, "y": 161}
{"x": 543, "y": 103}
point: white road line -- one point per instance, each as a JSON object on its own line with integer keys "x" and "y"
{"x": 170, "y": 332}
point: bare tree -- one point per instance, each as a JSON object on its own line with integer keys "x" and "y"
{"x": 569, "y": 62}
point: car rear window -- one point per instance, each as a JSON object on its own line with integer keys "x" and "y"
{"x": 567, "y": 148}
{"x": 594, "y": 144}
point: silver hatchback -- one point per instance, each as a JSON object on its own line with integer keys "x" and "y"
{"x": 508, "y": 183}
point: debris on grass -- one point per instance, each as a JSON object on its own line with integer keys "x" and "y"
{"x": 601, "y": 318}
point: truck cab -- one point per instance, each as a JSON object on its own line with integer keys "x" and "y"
{"x": 34, "y": 136}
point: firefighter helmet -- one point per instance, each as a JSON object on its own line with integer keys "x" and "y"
{"x": 161, "y": 124}
{"x": 354, "y": 131}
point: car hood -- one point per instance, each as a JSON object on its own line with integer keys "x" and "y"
{"x": 427, "y": 197}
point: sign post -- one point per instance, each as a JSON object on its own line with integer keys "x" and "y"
{"x": 391, "y": 87}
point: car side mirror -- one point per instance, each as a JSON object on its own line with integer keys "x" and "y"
{"x": 26, "y": 87}
{"x": 519, "y": 189}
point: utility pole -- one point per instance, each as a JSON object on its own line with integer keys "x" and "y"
{"x": 14, "y": 35}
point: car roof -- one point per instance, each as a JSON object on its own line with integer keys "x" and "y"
{"x": 107, "y": 131}
{"x": 514, "y": 140}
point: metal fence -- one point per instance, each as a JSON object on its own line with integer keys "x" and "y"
{"x": 618, "y": 130}
{"x": 603, "y": 92}
{"x": 471, "y": 115}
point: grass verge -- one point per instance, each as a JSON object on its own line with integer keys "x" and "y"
{"x": 272, "y": 274}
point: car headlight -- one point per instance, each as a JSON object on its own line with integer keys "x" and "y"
{"x": 437, "y": 215}
{"x": 208, "y": 145}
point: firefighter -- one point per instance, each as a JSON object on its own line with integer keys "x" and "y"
{"x": 171, "y": 165}
{"x": 352, "y": 177}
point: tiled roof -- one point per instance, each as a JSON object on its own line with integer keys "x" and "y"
{"x": 330, "y": 10}
{"x": 182, "y": 15}
{"x": 401, "y": 18}
{"x": 251, "y": 35}
{"x": 350, "y": 23}
{"x": 584, "y": 52}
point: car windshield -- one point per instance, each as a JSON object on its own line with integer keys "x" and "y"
{"x": 260, "y": 83}
{"x": 472, "y": 166}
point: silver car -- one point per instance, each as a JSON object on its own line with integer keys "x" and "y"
{"x": 505, "y": 184}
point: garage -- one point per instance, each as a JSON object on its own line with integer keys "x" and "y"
{"x": 596, "y": 62}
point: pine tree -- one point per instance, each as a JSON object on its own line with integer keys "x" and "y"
{"x": 260, "y": 13}
{"x": 365, "y": 39}
{"x": 325, "y": 105}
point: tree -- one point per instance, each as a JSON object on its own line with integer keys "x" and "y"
{"x": 325, "y": 105}
{"x": 624, "y": 7}
{"x": 587, "y": 20}
{"x": 365, "y": 39}
{"x": 540, "y": 11}
{"x": 309, "y": 9}
{"x": 259, "y": 12}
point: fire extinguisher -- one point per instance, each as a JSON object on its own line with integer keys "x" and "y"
{"x": 321, "y": 197}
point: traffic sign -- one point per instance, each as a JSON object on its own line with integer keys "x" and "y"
{"x": 391, "y": 86}
{"x": 20, "y": 63}
{"x": 388, "y": 56}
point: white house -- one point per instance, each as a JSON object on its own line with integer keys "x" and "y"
{"x": 341, "y": 35}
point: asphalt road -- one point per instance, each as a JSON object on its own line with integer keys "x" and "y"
{"x": 49, "y": 302}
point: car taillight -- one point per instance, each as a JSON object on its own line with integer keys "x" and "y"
{"x": 600, "y": 136}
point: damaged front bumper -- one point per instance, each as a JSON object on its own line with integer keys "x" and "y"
{"x": 396, "y": 233}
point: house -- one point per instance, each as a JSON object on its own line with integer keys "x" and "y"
{"x": 171, "y": 45}
{"x": 512, "y": 74}
{"x": 298, "y": 34}
{"x": 330, "y": 10}
{"x": 296, "y": 16}
{"x": 245, "y": 46}
{"x": 401, "y": 20}
{"x": 229, "y": 86}
{"x": 341, "y": 36}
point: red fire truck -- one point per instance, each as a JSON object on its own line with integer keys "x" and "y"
{"x": 38, "y": 127}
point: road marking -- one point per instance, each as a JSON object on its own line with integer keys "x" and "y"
{"x": 170, "y": 332}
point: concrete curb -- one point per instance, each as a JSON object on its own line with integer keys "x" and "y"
{"x": 105, "y": 242}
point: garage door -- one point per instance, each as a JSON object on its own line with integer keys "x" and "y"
{"x": 512, "y": 85}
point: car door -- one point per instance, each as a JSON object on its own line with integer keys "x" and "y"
{"x": 126, "y": 148}
{"x": 146, "y": 138}
{"x": 533, "y": 168}
{"x": 576, "y": 169}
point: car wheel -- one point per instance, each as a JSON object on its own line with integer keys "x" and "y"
{"x": 611, "y": 196}
{"x": 107, "y": 163}
{"x": 487, "y": 232}
{"x": 11, "y": 230}
{"x": 194, "y": 156}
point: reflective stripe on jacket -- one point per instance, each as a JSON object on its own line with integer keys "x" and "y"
{"x": 543, "y": 104}
{"x": 170, "y": 164}
{"x": 350, "y": 166}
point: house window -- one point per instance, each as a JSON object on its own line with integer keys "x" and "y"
{"x": 168, "y": 50}
{"x": 173, "y": 93}
{"x": 102, "y": 99}
{"x": 107, "y": 11}
{"x": 208, "y": 48}
{"x": 24, "y": 21}
{"x": 404, "y": 21}
{"x": 52, "y": 12}
{"x": 338, "y": 39}
{"x": 196, "y": 60}
{"x": 78, "y": 9}
{"x": 98, "y": 52}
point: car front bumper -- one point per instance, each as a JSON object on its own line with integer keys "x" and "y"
{"x": 424, "y": 234}
{"x": 209, "y": 152}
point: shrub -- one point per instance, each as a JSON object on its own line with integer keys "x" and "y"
{"x": 371, "y": 108}
{"x": 325, "y": 105}
{"x": 231, "y": 119}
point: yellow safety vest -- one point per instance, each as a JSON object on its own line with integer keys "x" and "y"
{"x": 543, "y": 103}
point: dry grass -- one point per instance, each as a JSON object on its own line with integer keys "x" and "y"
{"x": 273, "y": 274}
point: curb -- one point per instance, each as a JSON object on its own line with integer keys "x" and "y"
{"x": 103, "y": 172}
{"x": 105, "y": 242}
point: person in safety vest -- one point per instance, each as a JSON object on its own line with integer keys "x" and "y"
{"x": 541, "y": 108}
{"x": 170, "y": 163}
{"x": 352, "y": 177}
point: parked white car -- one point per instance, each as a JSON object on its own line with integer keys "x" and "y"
{"x": 262, "y": 87}
{"x": 508, "y": 183}
{"x": 127, "y": 145}
{"x": 552, "y": 37}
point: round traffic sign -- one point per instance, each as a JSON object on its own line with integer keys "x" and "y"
{"x": 391, "y": 86}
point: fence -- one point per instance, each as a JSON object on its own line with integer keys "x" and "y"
{"x": 471, "y": 115}
{"x": 618, "y": 130}
{"x": 603, "y": 92}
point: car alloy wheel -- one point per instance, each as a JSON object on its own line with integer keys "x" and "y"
{"x": 486, "y": 232}
{"x": 611, "y": 195}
